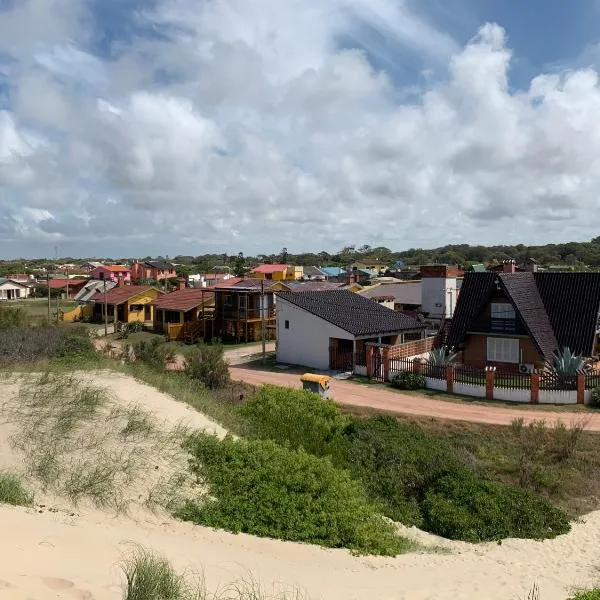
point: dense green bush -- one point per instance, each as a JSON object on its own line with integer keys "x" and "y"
{"x": 595, "y": 396}
{"x": 459, "y": 506}
{"x": 261, "y": 488}
{"x": 207, "y": 363}
{"x": 587, "y": 595}
{"x": 420, "y": 480}
{"x": 38, "y": 343}
{"x": 12, "y": 491}
{"x": 293, "y": 418}
{"x": 408, "y": 381}
{"x": 154, "y": 352}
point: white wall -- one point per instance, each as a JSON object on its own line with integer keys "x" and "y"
{"x": 16, "y": 291}
{"x": 558, "y": 397}
{"x": 468, "y": 389}
{"x": 512, "y": 394}
{"x": 306, "y": 342}
{"x": 439, "y": 296}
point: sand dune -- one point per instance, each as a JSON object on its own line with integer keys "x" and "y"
{"x": 75, "y": 554}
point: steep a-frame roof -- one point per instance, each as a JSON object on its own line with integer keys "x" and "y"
{"x": 558, "y": 309}
{"x": 353, "y": 313}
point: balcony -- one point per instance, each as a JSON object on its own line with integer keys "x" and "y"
{"x": 243, "y": 314}
{"x": 499, "y": 326}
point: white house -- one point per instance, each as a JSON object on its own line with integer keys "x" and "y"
{"x": 439, "y": 291}
{"x": 328, "y": 329}
{"x": 12, "y": 290}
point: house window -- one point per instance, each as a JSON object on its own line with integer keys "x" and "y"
{"x": 228, "y": 301}
{"x": 287, "y": 324}
{"x": 504, "y": 350}
{"x": 503, "y": 311}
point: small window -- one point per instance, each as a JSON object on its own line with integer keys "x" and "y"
{"x": 287, "y": 324}
{"x": 503, "y": 311}
{"x": 504, "y": 350}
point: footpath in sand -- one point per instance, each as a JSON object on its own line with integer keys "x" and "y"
{"x": 75, "y": 554}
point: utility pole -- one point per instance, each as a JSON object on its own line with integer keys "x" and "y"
{"x": 105, "y": 311}
{"x": 58, "y": 294}
{"x": 262, "y": 320}
{"x": 49, "y": 301}
{"x": 67, "y": 271}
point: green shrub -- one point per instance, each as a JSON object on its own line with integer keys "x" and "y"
{"x": 207, "y": 363}
{"x": 12, "y": 491}
{"x": 461, "y": 507}
{"x": 595, "y": 396}
{"x": 293, "y": 418}
{"x": 587, "y": 595}
{"x": 420, "y": 480}
{"x": 154, "y": 352}
{"x": 12, "y": 317}
{"x": 261, "y": 488}
{"x": 408, "y": 381}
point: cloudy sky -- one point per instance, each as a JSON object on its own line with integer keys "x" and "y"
{"x": 134, "y": 127}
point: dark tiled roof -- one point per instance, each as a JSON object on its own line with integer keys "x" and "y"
{"x": 572, "y": 301}
{"x": 160, "y": 264}
{"x": 313, "y": 272}
{"x": 404, "y": 293}
{"x": 184, "y": 300}
{"x": 558, "y": 309}
{"x": 351, "y": 312}
{"x": 118, "y": 295}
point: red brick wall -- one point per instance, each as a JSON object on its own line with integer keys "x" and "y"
{"x": 475, "y": 353}
{"x": 409, "y": 349}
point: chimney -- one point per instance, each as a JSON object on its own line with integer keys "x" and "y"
{"x": 508, "y": 266}
{"x": 121, "y": 282}
{"x": 182, "y": 284}
{"x": 531, "y": 265}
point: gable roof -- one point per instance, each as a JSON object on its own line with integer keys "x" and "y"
{"x": 91, "y": 288}
{"x": 357, "y": 315}
{"x": 58, "y": 283}
{"x": 266, "y": 269}
{"x": 160, "y": 264}
{"x": 118, "y": 295}
{"x": 184, "y": 300}
{"x": 403, "y": 293}
{"x": 313, "y": 272}
{"x": 333, "y": 271}
{"x": 313, "y": 286}
{"x": 114, "y": 268}
{"x": 558, "y": 309}
{"x": 5, "y": 280}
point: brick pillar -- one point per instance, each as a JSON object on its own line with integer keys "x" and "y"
{"x": 417, "y": 366}
{"x": 535, "y": 388}
{"x": 490, "y": 376}
{"x": 580, "y": 388}
{"x": 369, "y": 358}
{"x": 386, "y": 363}
{"x": 449, "y": 379}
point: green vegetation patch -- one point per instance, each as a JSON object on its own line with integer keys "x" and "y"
{"x": 261, "y": 488}
{"x": 12, "y": 491}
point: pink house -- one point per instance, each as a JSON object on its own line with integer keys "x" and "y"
{"x": 111, "y": 273}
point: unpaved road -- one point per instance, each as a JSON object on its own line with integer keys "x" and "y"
{"x": 380, "y": 398}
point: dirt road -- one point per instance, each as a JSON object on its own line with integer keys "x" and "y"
{"x": 381, "y": 398}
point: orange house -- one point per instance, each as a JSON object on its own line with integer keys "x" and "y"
{"x": 154, "y": 270}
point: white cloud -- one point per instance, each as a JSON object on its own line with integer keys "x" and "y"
{"x": 247, "y": 127}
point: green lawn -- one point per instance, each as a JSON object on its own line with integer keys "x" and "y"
{"x": 37, "y": 308}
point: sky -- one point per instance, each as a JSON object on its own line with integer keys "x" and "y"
{"x": 165, "y": 127}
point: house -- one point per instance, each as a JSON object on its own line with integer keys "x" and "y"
{"x": 375, "y": 265}
{"x": 12, "y": 290}
{"x": 407, "y": 295}
{"x": 185, "y": 314}
{"x": 313, "y": 286}
{"x": 327, "y": 330}
{"x": 111, "y": 273}
{"x": 152, "y": 271}
{"x": 128, "y": 303}
{"x": 70, "y": 287}
{"x": 313, "y": 274}
{"x": 204, "y": 280}
{"x": 278, "y": 272}
{"x": 241, "y": 306}
{"x": 334, "y": 273}
{"x": 90, "y": 265}
{"x": 439, "y": 291}
{"x": 91, "y": 288}
{"x": 518, "y": 320}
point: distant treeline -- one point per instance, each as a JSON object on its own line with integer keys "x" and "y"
{"x": 573, "y": 254}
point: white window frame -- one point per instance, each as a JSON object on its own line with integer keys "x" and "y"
{"x": 503, "y": 350}
{"x": 503, "y": 310}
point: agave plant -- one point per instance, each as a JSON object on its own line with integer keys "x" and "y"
{"x": 441, "y": 356}
{"x": 567, "y": 363}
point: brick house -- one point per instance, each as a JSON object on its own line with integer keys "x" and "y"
{"x": 518, "y": 320}
{"x": 153, "y": 270}
{"x": 111, "y": 273}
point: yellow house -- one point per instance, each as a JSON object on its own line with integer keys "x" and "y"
{"x": 278, "y": 272}
{"x": 131, "y": 303}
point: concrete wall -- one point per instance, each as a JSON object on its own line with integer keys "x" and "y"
{"x": 306, "y": 342}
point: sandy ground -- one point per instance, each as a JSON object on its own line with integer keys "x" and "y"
{"x": 76, "y": 555}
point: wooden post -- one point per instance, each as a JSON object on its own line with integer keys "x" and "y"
{"x": 369, "y": 359}
{"x": 450, "y": 379}
{"x": 535, "y": 388}
{"x": 490, "y": 376}
{"x": 580, "y": 388}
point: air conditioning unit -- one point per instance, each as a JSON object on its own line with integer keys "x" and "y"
{"x": 525, "y": 368}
